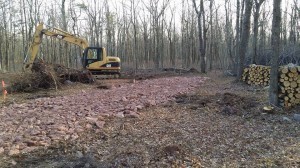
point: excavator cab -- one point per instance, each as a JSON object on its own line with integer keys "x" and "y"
{"x": 91, "y": 55}
{"x": 99, "y": 64}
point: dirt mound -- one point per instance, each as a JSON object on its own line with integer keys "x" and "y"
{"x": 142, "y": 74}
{"x": 230, "y": 99}
{"x": 226, "y": 103}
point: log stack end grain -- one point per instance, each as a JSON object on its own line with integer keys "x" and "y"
{"x": 288, "y": 80}
{"x": 289, "y": 89}
{"x": 257, "y": 75}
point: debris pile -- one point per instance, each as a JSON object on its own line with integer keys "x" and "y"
{"x": 46, "y": 76}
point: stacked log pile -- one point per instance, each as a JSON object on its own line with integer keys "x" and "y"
{"x": 257, "y": 75}
{"x": 289, "y": 85}
{"x": 289, "y": 81}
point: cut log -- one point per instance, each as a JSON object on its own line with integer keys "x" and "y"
{"x": 293, "y": 69}
{"x": 286, "y": 83}
{"x": 294, "y": 84}
{"x": 284, "y": 70}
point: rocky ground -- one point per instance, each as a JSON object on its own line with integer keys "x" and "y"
{"x": 179, "y": 121}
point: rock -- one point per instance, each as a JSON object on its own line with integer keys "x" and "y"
{"x": 30, "y": 143}
{"x": 13, "y": 162}
{"x": 101, "y": 118}
{"x": 124, "y": 99}
{"x": 91, "y": 119}
{"x": 66, "y": 137}
{"x": 74, "y": 137}
{"x": 71, "y": 130}
{"x": 17, "y": 139}
{"x": 43, "y": 143}
{"x": 14, "y": 152}
{"x": 55, "y": 137}
{"x": 120, "y": 115}
{"x": 100, "y": 124}
{"x": 34, "y": 132}
{"x": 88, "y": 126}
{"x": 286, "y": 119}
{"x": 79, "y": 130}
{"x": 228, "y": 110}
{"x": 22, "y": 146}
{"x": 139, "y": 107}
{"x": 68, "y": 82}
{"x": 297, "y": 117}
{"x": 132, "y": 115}
{"x": 150, "y": 103}
{"x": 1, "y": 142}
{"x": 1, "y": 150}
{"x": 79, "y": 154}
{"x": 28, "y": 149}
{"x": 62, "y": 128}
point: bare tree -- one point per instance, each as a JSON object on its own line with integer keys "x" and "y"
{"x": 237, "y": 36}
{"x": 212, "y": 38}
{"x": 156, "y": 13}
{"x": 201, "y": 33}
{"x": 258, "y": 4}
{"x": 65, "y": 56}
{"x": 229, "y": 31}
{"x": 273, "y": 91}
{"x": 134, "y": 21}
{"x": 244, "y": 38}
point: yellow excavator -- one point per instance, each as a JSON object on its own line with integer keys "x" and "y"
{"x": 94, "y": 59}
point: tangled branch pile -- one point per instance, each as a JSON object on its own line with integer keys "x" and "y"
{"x": 46, "y": 76}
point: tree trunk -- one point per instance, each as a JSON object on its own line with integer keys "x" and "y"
{"x": 211, "y": 45}
{"x": 237, "y": 38}
{"x": 245, "y": 38}
{"x": 258, "y": 4}
{"x": 201, "y": 34}
{"x": 273, "y": 91}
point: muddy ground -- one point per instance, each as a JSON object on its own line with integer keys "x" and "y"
{"x": 221, "y": 124}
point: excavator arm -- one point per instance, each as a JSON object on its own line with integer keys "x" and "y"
{"x": 52, "y": 32}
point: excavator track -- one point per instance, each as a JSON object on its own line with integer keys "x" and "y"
{"x": 107, "y": 76}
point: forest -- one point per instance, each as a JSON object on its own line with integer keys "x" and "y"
{"x": 150, "y": 34}
{"x": 199, "y": 83}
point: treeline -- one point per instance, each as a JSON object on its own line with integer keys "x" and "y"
{"x": 152, "y": 33}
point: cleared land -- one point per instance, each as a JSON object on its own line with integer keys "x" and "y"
{"x": 210, "y": 123}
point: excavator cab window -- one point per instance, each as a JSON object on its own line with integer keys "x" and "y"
{"x": 91, "y": 55}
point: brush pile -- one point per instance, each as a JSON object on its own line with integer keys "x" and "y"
{"x": 48, "y": 76}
